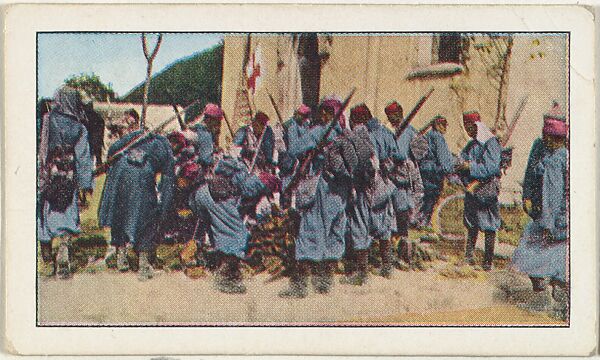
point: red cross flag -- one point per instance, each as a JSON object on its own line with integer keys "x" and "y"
{"x": 253, "y": 70}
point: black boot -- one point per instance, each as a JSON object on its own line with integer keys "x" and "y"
{"x": 490, "y": 241}
{"x": 386, "y": 258}
{"x": 538, "y": 284}
{"x": 404, "y": 254}
{"x": 230, "y": 279}
{"x": 298, "y": 288}
{"x": 323, "y": 277}
{"x": 359, "y": 277}
{"x": 46, "y": 248}
{"x": 470, "y": 246}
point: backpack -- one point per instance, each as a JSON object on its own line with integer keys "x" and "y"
{"x": 356, "y": 151}
{"x": 60, "y": 174}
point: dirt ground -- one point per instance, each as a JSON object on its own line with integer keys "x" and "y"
{"x": 409, "y": 298}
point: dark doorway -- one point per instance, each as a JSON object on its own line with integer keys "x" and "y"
{"x": 310, "y": 68}
{"x": 449, "y": 48}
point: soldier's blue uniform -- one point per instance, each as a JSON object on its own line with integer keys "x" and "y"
{"x": 130, "y": 203}
{"x": 323, "y": 218}
{"x": 482, "y": 213}
{"x": 366, "y": 221}
{"x": 221, "y": 216}
{"x": 66, "y": 130}
{"x": 265, "y": 157}
{"x": 437, "y": 163}
{"x": 545, "y": 186}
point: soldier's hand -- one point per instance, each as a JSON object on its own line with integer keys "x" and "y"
{"x": 547, "y": 235}
{"x": 527, "y": 206}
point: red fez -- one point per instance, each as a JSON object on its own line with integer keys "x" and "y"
{"x": 360, "y": 113}
{"x": 555, "y": 121}
{"x": 177, "y": 138}
{"x": 471, "y": 117}
{"x": 261, "y": 117}
{"x": 304, "y": 110}
{"x": 213, "y": 111}
{"x": 190, "y": 170}
{"x": 393, "y": 108}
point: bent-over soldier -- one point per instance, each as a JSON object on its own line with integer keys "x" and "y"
{"x": 132, "y": 204}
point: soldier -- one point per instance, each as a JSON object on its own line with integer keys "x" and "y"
{"x": 542, "y": 251}
{"x": 294, "y": 130}
{"x": 132, "y": 204}
{"x": 480, "y": 173}
{"x": 180, "y": 223}
{"x": 248, "y": 137}
{"x": 437, "y": 163}
{"x": 66, "y": 176}
{"x": 217, "y": 204}
{"x": 370, "y": 211}
{"x": 405, "y": 175}
{"x": 205, "y": 137}
{"x": 321, "y": 201}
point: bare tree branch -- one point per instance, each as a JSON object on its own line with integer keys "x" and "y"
{"x": 150, "y": 60}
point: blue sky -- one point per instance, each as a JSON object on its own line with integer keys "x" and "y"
{"x": 117, "y": 59}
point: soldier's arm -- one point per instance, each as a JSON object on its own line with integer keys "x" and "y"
{"x": 83, "y": 162}
{"x": 443, "y": 155}
{"x": 167, "y": 178}
{"x": 490, "y": 166}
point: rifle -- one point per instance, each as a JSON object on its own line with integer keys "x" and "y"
{"x": 172, "y": 101}
{"x": 413, "y": 113}
{"x": 425, "y": 128}
{"x": 260, "y": 141}
{"x": 276, "y": 110}
{"x": 136, "y": 140}
{"x": 320, "y": 145}
{"x": 513, "y": 123}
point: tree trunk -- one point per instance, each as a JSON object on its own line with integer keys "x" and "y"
{"x": 150, "y": 60}
{"x": 502, "y": 90}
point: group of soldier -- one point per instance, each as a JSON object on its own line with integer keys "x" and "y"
{"x": 352, "y": 182}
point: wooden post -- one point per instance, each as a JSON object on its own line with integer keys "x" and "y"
{"x": 149, "y": 58}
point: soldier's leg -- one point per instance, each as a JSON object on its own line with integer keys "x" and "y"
{"x": 470, "y": 246}
{"x": 385, "y": 249}
{"x": 146, "y": 249}
{"x": 490, "y": 241}
{"x": 298, "y": 287}
{"x": 404, "y": 248}
{"x": 360, "y": 276}
{"x": 230, "y": 281}
{"x": 63, "y": 265}
{"x": 323, "y": 279}
{"x": 430, "y": 198}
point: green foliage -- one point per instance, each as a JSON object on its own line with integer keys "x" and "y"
{"x": 92, "y": 85}
{"x": 195, "y": 77}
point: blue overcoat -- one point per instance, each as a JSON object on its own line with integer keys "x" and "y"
{"x": 402, "y": 199}
{"x": 323, "y": 223}
{"x": 130, "y": 202}
{"x": 484, "y": 160}
{"x": 545, "y": 185}
{"x": 205, "y": 145}
{"x": 66, "y": 130}
{"x": 366, "y": 222}
{"x": 222, "y": 219}
{"x": 265, "y": 157}
{"x": 437, "y": 163}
